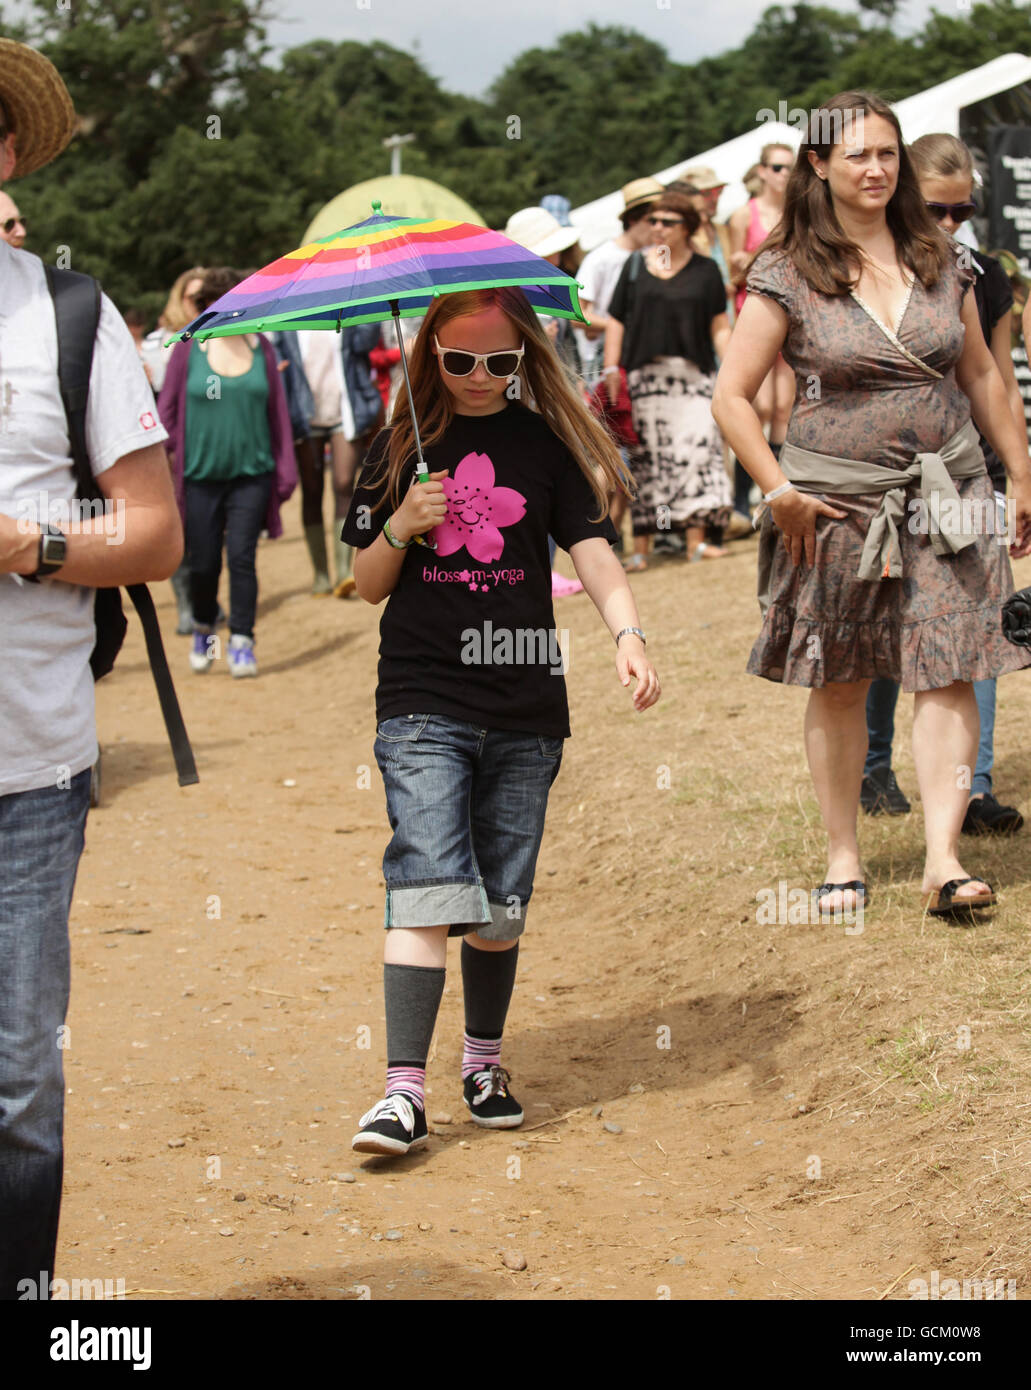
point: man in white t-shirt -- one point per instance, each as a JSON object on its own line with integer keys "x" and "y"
{"x": 51, "y": 559}
{"x": 600, "y": 269}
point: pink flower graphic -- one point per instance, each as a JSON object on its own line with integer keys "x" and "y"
{"x": 477, "y": 510}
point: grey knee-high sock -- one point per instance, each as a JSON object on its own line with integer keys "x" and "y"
{"x": 487, "y": 981}
{"x": 412, "y": 994}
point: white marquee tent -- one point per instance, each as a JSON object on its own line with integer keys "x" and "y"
{"x": 937, "y": 109}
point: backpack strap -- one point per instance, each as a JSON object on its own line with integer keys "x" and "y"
{"x": 185, "y": 765}
{"x": 77, "y": 312}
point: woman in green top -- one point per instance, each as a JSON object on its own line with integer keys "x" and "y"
{"x": 225, "y": 409}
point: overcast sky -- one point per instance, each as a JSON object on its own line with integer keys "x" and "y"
{"x": 467, "y": 43}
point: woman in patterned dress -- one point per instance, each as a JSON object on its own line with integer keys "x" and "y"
{"x": 667, "y": 325}
{"x": 868, "y": 301}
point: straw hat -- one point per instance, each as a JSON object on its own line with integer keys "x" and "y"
{"x": 539, "y": 232}
{"x": 702, "y": 177}
{"x": 39, "y": 109}
{"x": 639, "y": 191}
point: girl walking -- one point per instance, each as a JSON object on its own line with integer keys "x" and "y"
{"x": 471, "y": 701}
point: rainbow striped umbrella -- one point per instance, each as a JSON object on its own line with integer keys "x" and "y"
{"x": 381, "y": 268}
{"x": 384, "y": 267}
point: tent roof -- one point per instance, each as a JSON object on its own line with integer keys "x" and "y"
{"x": 936, "y": 109}
{"x": 403, "y": 195}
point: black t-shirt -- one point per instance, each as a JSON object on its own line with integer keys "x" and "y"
{"x": 469, "y": 629}
{"x": 994, "y": 298}
{"x": 669, "y": 318}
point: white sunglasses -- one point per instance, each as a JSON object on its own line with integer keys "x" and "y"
{"x": 458, "y": 362}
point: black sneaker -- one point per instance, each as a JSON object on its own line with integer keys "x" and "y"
{"x": 880, "y": 794}
{"x": 490, "y": 1102}
{"x": 986, "y": 817}
{"x": 393, "y": 1126}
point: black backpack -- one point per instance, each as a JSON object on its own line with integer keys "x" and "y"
{"x": 77, "y": 312}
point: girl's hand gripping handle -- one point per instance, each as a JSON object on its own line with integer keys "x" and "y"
{"x": 424, "y": 506}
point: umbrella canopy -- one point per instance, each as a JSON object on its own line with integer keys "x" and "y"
{"x": 406, "y": 194}
{"x": 384, "y": 267}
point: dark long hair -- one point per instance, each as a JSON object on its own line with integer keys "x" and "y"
{"x": 809, "y": 232}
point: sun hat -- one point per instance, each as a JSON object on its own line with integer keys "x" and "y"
{"x": 39, "y": 109}
{"x": 539, "y": 232}
{"x": 702, "y": 177}
{"x": 639, "y": 191}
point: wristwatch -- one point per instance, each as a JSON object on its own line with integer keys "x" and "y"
{"x": 53, "y": 551}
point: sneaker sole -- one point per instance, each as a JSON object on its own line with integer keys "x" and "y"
{"x": 200, "y": 665}
{"x": 242, "y": 675}
{"x": 367, "y": 1143}
{"x": 497, "y": 1121}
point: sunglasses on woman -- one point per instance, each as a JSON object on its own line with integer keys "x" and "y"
{"x": 959, "y": 212}
{"x": 13, "y": 222}
{"x": 777, "y": 168}
{"x": 457, "y": 362}
{"x": 666, "y": 221}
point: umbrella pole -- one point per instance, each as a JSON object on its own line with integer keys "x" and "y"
{"x": 422, "y": 474}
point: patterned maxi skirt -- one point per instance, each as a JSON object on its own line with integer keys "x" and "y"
{"x": 679, "y": 470}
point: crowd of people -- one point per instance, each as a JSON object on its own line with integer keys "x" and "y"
{"x": 697, "y": 360}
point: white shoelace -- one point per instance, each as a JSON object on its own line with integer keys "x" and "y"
{"x": 393, "y": 1107}
{"x": 491, "y": 1083}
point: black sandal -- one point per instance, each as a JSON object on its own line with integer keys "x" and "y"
{"x": 942, "y": 902}
{"x": 857, "y": 886}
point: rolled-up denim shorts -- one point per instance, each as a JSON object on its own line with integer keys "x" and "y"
{"x": 467, "y": 806}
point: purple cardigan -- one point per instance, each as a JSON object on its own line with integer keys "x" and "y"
{"x": 172, "y": 409}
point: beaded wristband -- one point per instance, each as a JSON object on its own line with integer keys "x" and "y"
{"x": 392, "y": 539}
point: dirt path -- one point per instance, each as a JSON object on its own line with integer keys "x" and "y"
{"x": 784, "y": 1110}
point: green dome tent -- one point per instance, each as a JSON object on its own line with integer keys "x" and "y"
{"x": 402, "y": 195}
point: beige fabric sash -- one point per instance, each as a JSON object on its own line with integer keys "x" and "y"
{"x": 933, "y": 473}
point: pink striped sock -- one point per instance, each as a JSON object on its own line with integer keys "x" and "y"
{"x": 409, "y": 1080}
{"x": 480, "y": 1053}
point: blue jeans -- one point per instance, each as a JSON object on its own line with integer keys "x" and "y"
{"x": 984, "y": 694}
{"x": 467, "y": 806}
{"x": 881, "y": 699}
{"x": 230, "y": 513}
{"x": 880, "y": 726}
{"x": 41, "y": 839}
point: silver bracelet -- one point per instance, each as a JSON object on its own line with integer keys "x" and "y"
{"x": 635, "y": 630}
{"x": 778, "y": 492}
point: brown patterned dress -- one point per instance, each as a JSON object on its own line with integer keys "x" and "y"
{"x": 859, "y": 395}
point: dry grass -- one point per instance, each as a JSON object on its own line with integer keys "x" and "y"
{"x": 913, "y": 1034}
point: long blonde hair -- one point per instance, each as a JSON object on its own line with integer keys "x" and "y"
{"x": 542, "y": 381}
{"x": 175, "y": 315}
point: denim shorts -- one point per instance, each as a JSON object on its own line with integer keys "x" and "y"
{"x": 467, "y": 808}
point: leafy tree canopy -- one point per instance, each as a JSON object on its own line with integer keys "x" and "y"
{"x": 195, "y": 148}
